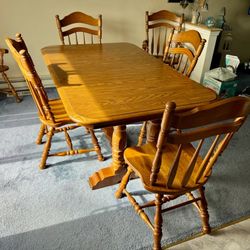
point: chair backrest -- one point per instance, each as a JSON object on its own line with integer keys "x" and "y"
{"x": 158, "y": 26}
{"x": 21, "y": 55}
{"x": 225, "y": 46}
{"x": 183, "y": 50}
{"x": 208, "y": 128}
{"x": 83, "y": 28}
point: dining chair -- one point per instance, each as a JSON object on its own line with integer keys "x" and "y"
{"x": 182, "y": 51}
{"x": 83, "y": 28}
{"x": 3, "y": 69}
{"x": 158, "y": 25}
{"x": 188, "y": 146}
{"x": 51, "y": 112}
{"x": 225, "y": 46}
{"x": 185, "y": 47}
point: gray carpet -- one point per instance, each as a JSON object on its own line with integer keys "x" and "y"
{"x": 56, "y": 209}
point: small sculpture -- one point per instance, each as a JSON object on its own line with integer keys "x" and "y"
{"x": 210, "y": 22}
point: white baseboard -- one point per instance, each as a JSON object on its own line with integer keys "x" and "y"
{"x": 21, "y": 86}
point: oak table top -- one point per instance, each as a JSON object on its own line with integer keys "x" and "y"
{"x": 115, "y": 84}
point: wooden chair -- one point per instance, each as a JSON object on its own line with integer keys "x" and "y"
{"x": 186, "y": 47}
{"x": 90, "y": 27}
{"x": 181, "y": 52}
{"x": 174, "y": 166}
{"x": 51, "y": 112}
{"x": 3, "y": 69}
{"x": 158, "y": 25}
{"x": 225, "y": 46}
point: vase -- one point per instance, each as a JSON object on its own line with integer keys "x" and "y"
{"x": 195, "y": 17}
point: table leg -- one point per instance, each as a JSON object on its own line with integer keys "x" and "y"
{"x": 108, "y": 131}
{"x": 114, "y": 173}
{"x": 153, "y": 129}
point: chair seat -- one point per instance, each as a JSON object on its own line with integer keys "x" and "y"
{"x": 59, "y": 113}
{"x": 3, "y": 68}
{"x": 140, "y": 159}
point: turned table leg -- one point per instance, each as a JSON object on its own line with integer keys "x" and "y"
{"x": 113, "y": 174}
{"x": 153, "y": 129}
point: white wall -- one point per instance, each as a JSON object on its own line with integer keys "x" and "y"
{"x": 123, "y": 20}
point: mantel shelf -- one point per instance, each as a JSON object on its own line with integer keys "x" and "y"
{"x": 203, "y": 26}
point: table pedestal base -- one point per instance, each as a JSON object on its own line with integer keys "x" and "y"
{"x": 113, "y": 174}
{"x": 105, "y": 177}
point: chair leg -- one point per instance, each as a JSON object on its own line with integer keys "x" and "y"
{"x": 68, "y": 139}
{"x": 12, "y": 89}
{"x": 96, "y": 145}
{"x": 41, "y": 133}
{"x": 123, "y": 184}
{"x": 142, "y": 134}
{"x": 87, "y": 130}
{"x": 158, "y": 222}
{"x": 108, "y": 131}
{"x": 46, "y": 148}
{"x": 204, "y": 213}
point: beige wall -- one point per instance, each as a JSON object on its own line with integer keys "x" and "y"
{"x": 236, "y": 16}
{"x": 123, "y": 20}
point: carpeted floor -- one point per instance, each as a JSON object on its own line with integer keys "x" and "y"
{"x": 56, "y": 209}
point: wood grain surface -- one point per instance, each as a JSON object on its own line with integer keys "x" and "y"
{"x": 117, "y": 83}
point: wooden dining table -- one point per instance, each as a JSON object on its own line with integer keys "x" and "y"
{"x": 114, "y": 84}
